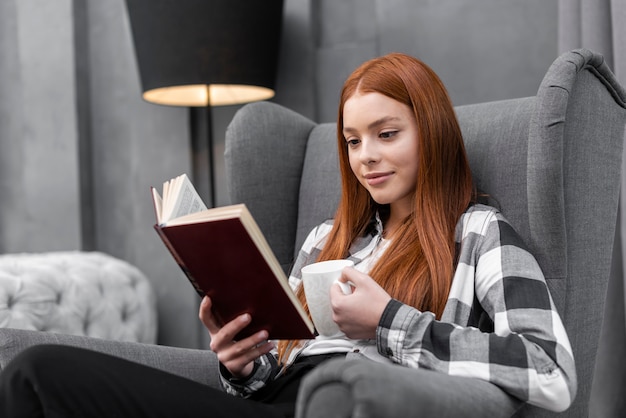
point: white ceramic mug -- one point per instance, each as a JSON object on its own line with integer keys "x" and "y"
{"x": 317, "y": 279}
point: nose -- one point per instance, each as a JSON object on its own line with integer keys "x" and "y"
{"x": 369, "y": 151}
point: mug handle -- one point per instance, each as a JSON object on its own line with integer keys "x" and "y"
{"x": 346, "y": 288}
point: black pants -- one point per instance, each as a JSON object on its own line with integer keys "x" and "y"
{"x": 61, "y": 381}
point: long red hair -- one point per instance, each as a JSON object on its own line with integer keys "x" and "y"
{"x": 418, "y": 267}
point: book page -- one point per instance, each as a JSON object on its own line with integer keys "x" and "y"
{"x": 208, "y": 215}
{"x": 180, "y": 199}
{"x": 158, "y": 204}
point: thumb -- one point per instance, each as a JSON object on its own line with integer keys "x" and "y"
{"x": 206, "y": 315}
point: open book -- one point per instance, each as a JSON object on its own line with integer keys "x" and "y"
{"x": 224, "y": 255}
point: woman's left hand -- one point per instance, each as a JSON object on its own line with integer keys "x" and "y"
{"x": 358, "y": 314}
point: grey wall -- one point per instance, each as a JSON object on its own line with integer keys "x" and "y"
{"x": 482, "y": 49}
{"x": 79, "y": 149}
{"x": 39, "y": 205}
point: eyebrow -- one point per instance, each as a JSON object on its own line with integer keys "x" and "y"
{"x": 374, "y": 124}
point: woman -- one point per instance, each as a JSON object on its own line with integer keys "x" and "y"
{"x": 440, "y": 282}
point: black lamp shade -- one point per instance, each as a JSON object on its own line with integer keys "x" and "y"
{"x": 220, "y": 51}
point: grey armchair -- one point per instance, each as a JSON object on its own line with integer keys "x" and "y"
{"x": 551, "y": 163}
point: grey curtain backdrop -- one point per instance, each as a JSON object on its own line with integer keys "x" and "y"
{"x": 79, "y": 149}
{"x": 600, "y": 25}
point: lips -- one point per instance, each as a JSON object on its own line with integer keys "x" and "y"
{"x": 377, "y": 178}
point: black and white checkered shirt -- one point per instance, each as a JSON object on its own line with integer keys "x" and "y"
{"x": 499, "y": 324}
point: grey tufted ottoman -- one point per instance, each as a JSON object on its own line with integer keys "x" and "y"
{"x": 79, "y": 293}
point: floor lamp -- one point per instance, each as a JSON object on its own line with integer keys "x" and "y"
{"x": 204, "y": 53}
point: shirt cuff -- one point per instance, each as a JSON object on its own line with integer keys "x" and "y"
{"x": 261, "y": 373}
{"x": 392, "y": 328}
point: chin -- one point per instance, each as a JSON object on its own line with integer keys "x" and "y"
{"x": 381, "y": 200}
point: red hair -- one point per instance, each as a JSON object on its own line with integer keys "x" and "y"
{"x": 418, "y": 267}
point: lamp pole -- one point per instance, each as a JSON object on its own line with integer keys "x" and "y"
{"x": 203, "y": 161}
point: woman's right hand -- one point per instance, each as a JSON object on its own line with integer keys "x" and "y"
{"x": 237, "y": 356}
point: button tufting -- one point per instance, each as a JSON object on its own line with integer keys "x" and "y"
{"x": 124, "y": 314}
{"x": 80, "y": 293}
{"x": 86, "y": 322}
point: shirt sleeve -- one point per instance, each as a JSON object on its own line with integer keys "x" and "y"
{"x": 265, "y": 368}
{"x": 527, "y": 353}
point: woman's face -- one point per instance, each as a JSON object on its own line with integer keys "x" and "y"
{"x": 381, "y": 136}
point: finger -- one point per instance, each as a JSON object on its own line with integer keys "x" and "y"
{"x": 347, "y": 281}
{"x": 223, "y": 340}
{"x": 241, "y": 352}
{"x": 206, "y": 316}
{"x": 345, "y": 288}
{"x": 232, "y": 328}
{"x": 336, "y": 290}
{"x": 253, "y": 344}
{"x": 345, "y": 272}
{"x": 239, "y": 364}
{"x": 350, "y": 274}
{"x": 354, "y": 277}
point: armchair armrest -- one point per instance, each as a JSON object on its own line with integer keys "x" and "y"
{"x": 363, "y": 388}
{"x": 198, "y": 365}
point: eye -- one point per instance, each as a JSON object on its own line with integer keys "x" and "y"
{"x": 387, "y": 134}
{"x": 353, "y": 142}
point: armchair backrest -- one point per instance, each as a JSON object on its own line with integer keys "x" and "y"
{"x": 551, "y": 163}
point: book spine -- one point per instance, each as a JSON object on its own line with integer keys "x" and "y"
{"x": 178, "y": 260}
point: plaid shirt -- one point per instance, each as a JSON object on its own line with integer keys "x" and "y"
{"x": 499, "y": 323}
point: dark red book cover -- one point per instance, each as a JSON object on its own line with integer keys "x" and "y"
{"x": 221, "y": 260}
